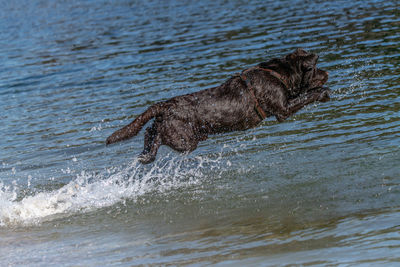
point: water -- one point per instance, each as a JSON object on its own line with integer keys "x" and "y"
{"x": 321, "y": 188}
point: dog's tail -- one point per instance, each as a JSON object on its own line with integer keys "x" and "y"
{"x": 135, "y": 126}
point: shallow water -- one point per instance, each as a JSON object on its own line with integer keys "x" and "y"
{"x": 321, "y": 188}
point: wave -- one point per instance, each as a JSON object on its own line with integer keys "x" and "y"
{"x": 90, "y": 191}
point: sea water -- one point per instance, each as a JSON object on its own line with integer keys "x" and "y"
{"x": 320, "y": 188}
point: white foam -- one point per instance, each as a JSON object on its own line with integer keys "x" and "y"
{"x": 92, "y": 191}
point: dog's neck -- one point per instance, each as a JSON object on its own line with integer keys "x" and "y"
{"x": 276, "y": 75}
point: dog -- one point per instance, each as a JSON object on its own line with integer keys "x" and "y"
{"x": 279, "y": 87}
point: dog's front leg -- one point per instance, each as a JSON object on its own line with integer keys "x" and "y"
{"x": 294, "y": 105}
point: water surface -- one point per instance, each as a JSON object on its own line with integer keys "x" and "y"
{"x": 320, "y": 188}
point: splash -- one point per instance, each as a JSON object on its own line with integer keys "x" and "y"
{"x": 88, "y": 192}
{"x": 356, "y": 85}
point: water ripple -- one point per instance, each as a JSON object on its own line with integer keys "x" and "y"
{"x": 73, "y": 72}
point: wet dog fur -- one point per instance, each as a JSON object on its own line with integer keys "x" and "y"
{"x": 183, "y": 121}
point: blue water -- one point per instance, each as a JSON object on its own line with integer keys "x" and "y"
{"x": 321, "y": 188}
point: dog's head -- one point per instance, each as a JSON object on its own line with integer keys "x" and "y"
{"x": 299, "y": 70}
{"x": 305, "y": 74}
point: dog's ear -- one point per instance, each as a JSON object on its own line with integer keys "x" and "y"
{"x": 299, "y": 52}
{"x": 291, "y": 56}
{"x": 309, "y": 62}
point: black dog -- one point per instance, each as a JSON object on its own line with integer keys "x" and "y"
{"x": 279, "y": 87}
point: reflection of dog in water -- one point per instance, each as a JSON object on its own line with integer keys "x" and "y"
{"x": 279, "y": 87}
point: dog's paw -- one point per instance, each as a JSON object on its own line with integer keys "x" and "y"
{"x": 324, "y": 95}
{"x": 146, "y": 158}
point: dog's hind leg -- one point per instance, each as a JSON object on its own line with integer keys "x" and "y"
{"x": 152, "y": 142}
{"x": 179, "y": 135}
{"x": 149, "y": 136}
